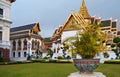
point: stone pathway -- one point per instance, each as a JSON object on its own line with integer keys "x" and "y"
{"x": 95, "y": 74}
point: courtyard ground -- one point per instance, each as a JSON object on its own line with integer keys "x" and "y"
{"x": 52, "y": 70}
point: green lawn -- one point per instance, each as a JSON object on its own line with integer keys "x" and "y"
{"x": 52, "y": 70}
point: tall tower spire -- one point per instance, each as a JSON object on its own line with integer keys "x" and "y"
{"x": 83, "y": 11}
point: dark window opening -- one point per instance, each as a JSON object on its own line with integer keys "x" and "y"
{"x": 1, "y": 55}
{"x": 0, "y": 35}
{"x": 13, "y": 54}
{"x": 25, "y": 54}
{"x": 1, "y": 12}
{"x": 25, "y": 44}
{"x": 14, "y": 45}
{"x": 19, "y": 54}
{"x": 19, "y": 45}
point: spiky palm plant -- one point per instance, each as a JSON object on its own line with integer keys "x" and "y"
{"x": 88, "y": 42}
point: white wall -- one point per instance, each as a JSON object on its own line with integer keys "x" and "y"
{"x": 5, "y": 21}
{"x": 22, "y": 58}
{"x": 67, "y": 34}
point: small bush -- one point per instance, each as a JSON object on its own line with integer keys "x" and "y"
{"x": 106, "y": 55}
{"x": 68, "y": 57}
{"x": 63, "y": 61}
{"x": 1, "y": 59}
{"x": 35, "y": 61}
{"x": 2, "y": 63}
{"x": 60, "y": 57}
{"x": 46, "y": 58}
{"x": 44, "y": 61}
{"x": 52, "y": 61}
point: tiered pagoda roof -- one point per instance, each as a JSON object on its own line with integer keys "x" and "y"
{"x": 29, "y": 30}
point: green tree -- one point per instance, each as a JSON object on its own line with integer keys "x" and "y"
{"x": 38, "y": 53}
{"x": 116, "y": 44}
{"x": 50, "y": 52}
{"x": 116, "y": 40}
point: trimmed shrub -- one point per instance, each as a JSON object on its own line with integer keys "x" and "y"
{"x": 1, "y": 59}
{"x": 68, "y": 57}
{"x": 106, "y": 55}
{"x": 46, "y": 58}
{"x": 52, "y": 61}
{"x": 35, "y": 61}
{"x": 112, "y": 62}
{"x": 60, "y": 57}
{"x": 63, "y": 61}
{"x": 44, "y": 61}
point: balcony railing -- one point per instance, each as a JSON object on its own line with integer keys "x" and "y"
{"x": 5, "y": 18}
{"x": 4, "y": 44}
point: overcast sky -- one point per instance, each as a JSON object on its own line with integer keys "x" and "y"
{"x": 52, "y": 13}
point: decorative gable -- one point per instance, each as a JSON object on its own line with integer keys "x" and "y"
{"x": 71, "y": 24}
{"x": 36, "y": 28}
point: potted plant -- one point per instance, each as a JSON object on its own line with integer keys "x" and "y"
{"x": 87, "y": 44}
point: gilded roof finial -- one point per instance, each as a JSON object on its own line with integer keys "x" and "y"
{"x": 83, "y": 11}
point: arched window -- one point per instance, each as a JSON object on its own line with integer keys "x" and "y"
{"x": 13, "y": 54}
{"x": 0, "y": 35}
{"x": 1, "y": 12}
{"x": 1, "y": 54}
{"x": 36, "y": 44}
{"x": 33, "y": 45}
{"x": 19, "y": 44}
{"x": 25, "y": 54}
{"x": 25, "y": 45}
{"x": 14, "y": 45}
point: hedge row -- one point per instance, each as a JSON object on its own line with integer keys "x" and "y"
{"x": 112, "y": 62}
{"x": 36, "y": 61}
{"x": 17, "y": 62}
{"x": 51, "y": 61}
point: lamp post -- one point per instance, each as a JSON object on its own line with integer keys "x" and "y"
{"x": 28, "y": 58}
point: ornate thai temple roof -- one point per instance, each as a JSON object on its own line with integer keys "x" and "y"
{"x": 28, "y": 26}
{"x": 30, "y": 30}
{"x": 69, "y": 26}
{"x": 83, "y": 11}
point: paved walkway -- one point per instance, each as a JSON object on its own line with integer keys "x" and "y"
{"x": 95, "y": 74}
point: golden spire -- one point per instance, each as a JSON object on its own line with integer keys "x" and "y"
{"x": 83, "y": 11}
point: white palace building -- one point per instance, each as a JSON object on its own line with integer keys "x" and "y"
{"x": 25, "y": 40}
{"x": 5, "y": 23}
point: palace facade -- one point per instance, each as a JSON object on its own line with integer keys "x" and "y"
{"x": 5, "y": 22}
{"x": 77, "y": 22}
{"x": 25, "y": 40}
